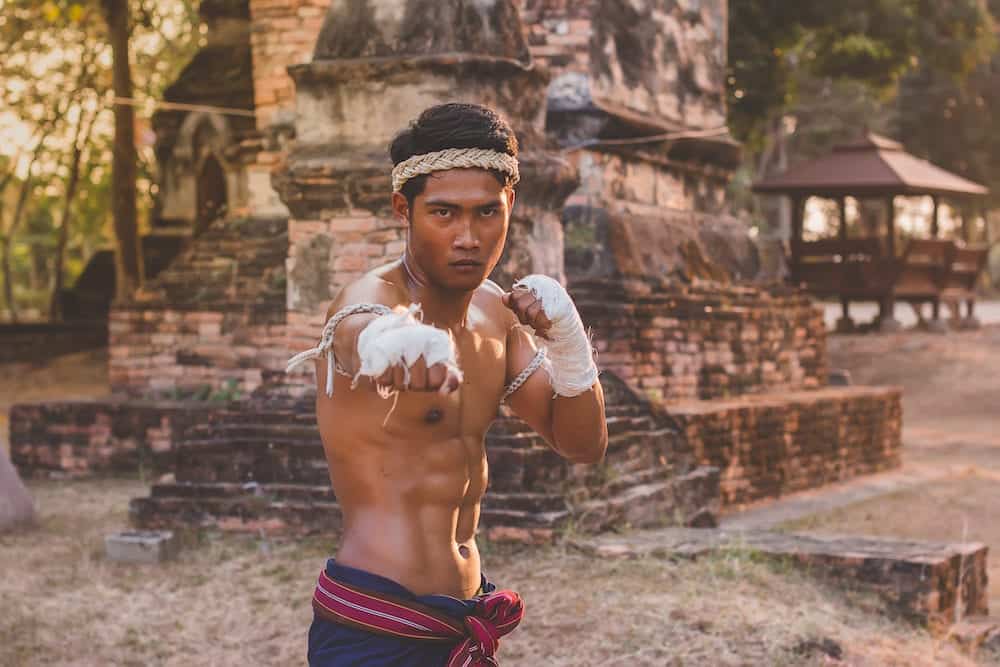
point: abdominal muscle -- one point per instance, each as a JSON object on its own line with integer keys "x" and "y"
{"x": 409, "y": 492}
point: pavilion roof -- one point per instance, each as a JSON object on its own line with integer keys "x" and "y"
{"x": 870, "y": 166}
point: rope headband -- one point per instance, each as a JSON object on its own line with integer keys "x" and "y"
{"x": 453, "y": 158}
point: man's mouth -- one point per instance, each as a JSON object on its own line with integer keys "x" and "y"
{"x": 466, "y": 262}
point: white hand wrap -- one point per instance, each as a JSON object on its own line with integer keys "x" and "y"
{"x": 573, "y": 370}
{"x": 400, "y": 339}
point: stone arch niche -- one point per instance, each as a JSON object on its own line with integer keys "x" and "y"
{"x": 197, "y": 178}
{"x": 211, "y": 193}
{"x": 376, "y": 66}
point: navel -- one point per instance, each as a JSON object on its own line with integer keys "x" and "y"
{"x": 433, "y": 416}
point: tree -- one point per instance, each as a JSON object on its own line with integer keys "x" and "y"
{"x": 81, "y": 137}
{"x": 69, "y": 213}
{"x": 806, "y": 75}
{"x": 774, "y": 44}
{"x": 123, "y": 172}
{"x": 953, "y": 121}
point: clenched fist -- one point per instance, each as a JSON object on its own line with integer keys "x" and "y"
{"x": 528, "y": 309}
{"x": 439, "y": 377}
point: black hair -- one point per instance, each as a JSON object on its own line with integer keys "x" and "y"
{"x": 452, "y": 125}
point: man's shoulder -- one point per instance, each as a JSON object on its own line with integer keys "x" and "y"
{"x": 377, "y": 286}
{"x": 490, "y": 289}
{"x": 488, "y": 297}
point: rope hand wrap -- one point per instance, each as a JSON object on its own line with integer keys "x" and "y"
{"x": 325, "y": 346}
{"x": 569, "y": 350}
{"x": 453, "y": 158}
{"x": 540, "y": 359}
{"x": 399, "y": 339}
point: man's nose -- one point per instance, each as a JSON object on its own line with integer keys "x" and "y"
{"x": 466, "y": 237}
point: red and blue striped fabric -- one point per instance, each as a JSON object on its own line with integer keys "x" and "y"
{"x": 477, "y": 636}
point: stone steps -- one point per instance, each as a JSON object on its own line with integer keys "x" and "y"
{"x": 976, "y": 634}
{"x": 263, "y": 461}
{"x": 243, "y": 513}
{"x": 922, "y": 582}
{"x": 233, "y": 262}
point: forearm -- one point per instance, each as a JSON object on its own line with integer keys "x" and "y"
{"x": 573, "y": 420}
{"x": 579, "y": 429}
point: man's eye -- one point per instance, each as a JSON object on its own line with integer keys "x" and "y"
{"x": 441, "y": 212}
{"x": 489, "y": 212}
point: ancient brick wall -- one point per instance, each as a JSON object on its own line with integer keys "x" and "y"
{"x": 284, "y": 33}
{"x": 664, "y": 60}
{"x": 768, "y": 446}
{"x": 686, "y": 342}
{"x": 261, "y": 464}
{"x": 85, "y": 437}
{"x": 645, "y": 215}
{"x": 327, "y": 254}
{"x": 36, "y": 343}
{"x": 214, "y": 320}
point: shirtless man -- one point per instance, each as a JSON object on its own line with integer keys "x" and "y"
{"x": 406, "y": 396}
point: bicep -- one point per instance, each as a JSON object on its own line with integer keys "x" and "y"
{"x": 532, "y": 402}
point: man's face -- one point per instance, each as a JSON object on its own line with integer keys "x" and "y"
{"x": 458, "y": 226}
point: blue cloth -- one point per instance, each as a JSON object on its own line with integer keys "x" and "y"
{"x": 336, "y": 645}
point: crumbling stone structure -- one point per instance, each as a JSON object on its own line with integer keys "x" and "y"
{"x": 928, "y": 583}
{"x": 625, "y": 159}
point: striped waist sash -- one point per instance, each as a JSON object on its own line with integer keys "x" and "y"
{"x": 476, "y": 636}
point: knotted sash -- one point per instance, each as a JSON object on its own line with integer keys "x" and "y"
{"x": 476, "y": 636}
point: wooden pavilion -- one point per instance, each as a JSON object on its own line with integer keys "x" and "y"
{"x": 872, "y": 268}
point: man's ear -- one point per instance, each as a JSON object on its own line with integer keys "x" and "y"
{"x": 511, "y": 196}
{"x": 400, "y": 207}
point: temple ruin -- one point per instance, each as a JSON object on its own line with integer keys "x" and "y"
{"x": 717, "y": 385}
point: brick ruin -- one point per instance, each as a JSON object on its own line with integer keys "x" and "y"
{"x": 716, "y": 386}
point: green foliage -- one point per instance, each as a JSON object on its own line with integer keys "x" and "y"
{"x": 774, "y": 46}
{"x": 805, "y": 76}
{"x": 57, "y": 69}
{"x": 954, "y": 123}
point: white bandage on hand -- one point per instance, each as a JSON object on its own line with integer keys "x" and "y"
{"x": 571, "y": 356}
{"x": 399, "y": 339}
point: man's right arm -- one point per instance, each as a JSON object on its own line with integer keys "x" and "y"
{"x": 438, "y": 377}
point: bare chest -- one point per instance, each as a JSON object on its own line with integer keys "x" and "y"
{"x": 464, "y": 413}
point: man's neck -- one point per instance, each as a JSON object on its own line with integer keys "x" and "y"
{"x": 446, "y": 309}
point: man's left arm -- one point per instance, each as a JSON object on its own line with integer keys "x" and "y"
{"x": 572, "y": 421}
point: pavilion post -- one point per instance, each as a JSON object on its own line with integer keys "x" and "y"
{"x": 798, "y": 204}
{"x": 890, "y": 208}
{"x": 845, "y": 303}
{"x": 887, "y": 308}
{"x": 936, "y": 219}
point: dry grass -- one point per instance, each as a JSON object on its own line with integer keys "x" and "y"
{"x": 231, "y": 600}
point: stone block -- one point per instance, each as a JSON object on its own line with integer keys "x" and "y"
{"x": 16, "y": 506}
{"x": 924, "y": 582}
{"x": 141, "y": 546}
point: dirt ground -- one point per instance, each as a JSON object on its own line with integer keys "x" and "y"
{"x": 232, "y": 600}
{"x": 951, "y": 422}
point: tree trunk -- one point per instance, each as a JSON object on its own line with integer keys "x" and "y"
{"x": 128, "y": 255}
{"x": 81, "y": 137}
